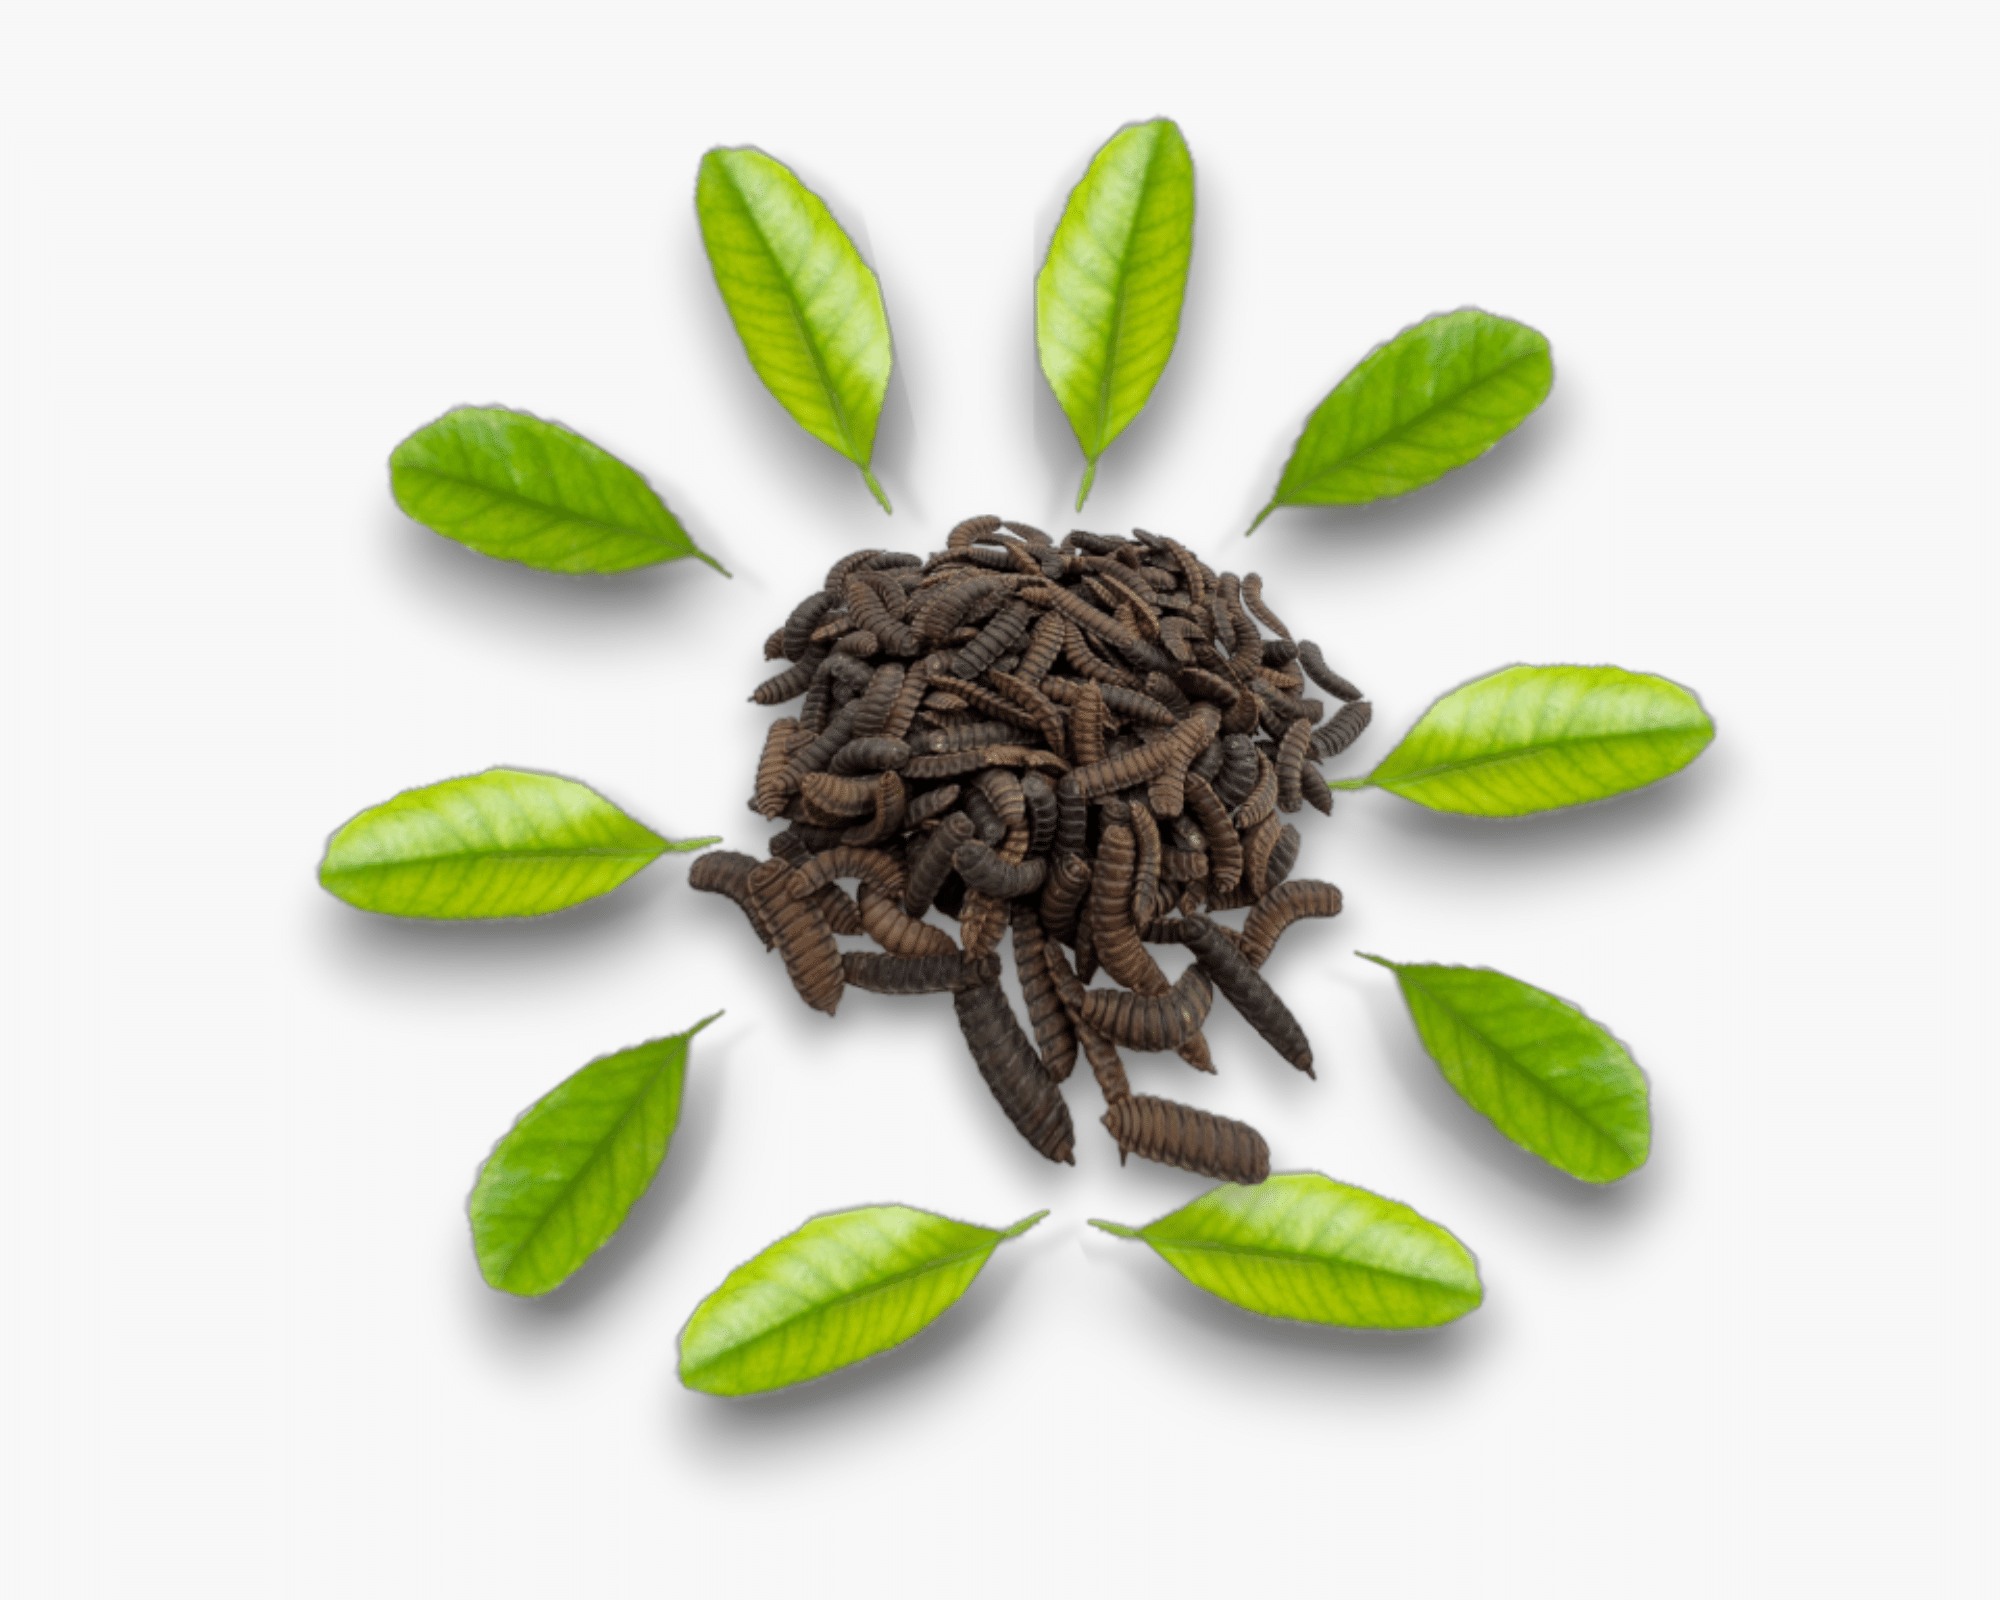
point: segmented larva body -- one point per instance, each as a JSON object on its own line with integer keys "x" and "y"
{"x": 883, "y": 921}
{"x": 1346, "y": 726}
{"x": 934, "y": 974}
{"x": 1191, "y": 1139}
{"x": 727, "y": 872}
{"x": 1255, "y": 1000}
{"x": 1277, "y": 911}
{"x": 1114, "y": 937}
{"x": 1063, "y": 894}
{"x": 1055, "y": 1035}
{"x": 1013, "y": 1072}
{"x": 932, "y": 863}
{"x": 801, "y": 934}
{"x": 1150, "y": 1022}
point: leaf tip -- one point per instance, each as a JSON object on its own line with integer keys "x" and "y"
{"x": 1023, "y": 1225}
{"x": 1089, "y": 478}
{"x": 1273, "y": 506}
{"x": 1117, "y": 1228}
{"x": 1380, "y": 961}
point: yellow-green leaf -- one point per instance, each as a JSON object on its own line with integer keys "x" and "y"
{"x": 520, "y": 489}
{"x": 1108, "y": 298}
{"x": 1529, "y": 739}
{"x": 1550, "y": 1079}
{"x": 561, "y": 1181}
{"x": 501, "y": 843}
{"x": 1436, "y": 396}
{"x": 806, "y": 306}
{"x": 1301, "y": 1246}
{"x": 844, "y": 1287}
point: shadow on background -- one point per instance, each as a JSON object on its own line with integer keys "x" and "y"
{"x": 411, "y": 948}
{"x": 1557, "y": 838}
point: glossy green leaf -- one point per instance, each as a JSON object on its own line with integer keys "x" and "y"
{"x": 561, "y": 1181}
{"x": 844, "y": 1287}
{"x": 1529, "y": 739}
{"x": 1548, "y": 1077}
{"x": 1301, "y": 1246}
{"x": 1108, "y": 298}
{"x": 513, "y": 486}
{"x": 500, "y": 843}
{"x": 807, "y": 307}
{"x": 1436, "y": 396}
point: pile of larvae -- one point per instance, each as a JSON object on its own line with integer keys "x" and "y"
{"x": 1061, "y": 742}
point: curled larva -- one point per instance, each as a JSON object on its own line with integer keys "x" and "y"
{"x": 801, "y": 934}
{"x": 1278, "y": 910}
{"x": 1150, "y": 1022}
{"x": 727, "y": 872}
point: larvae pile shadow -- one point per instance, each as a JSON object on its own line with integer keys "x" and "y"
{"x": 1061, "y": 741}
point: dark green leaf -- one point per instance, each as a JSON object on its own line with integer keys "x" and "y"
{"x": 1548, "y": 1077}
{"x": 1436, "y": 396}
{"x": 807, "y": 307}
{"x": 562, "y": 1180}
{"x": 1529, "y": 739}
{"x": 513, "y": 486}
{"x": 1108, "y": 300}
{"x": 500, "y": 843}
{"x": 844, "y": 1287}
{"x": 1300, "y": 1245}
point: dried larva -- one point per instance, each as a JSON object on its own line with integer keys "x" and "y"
{"x": 1255, "y": 1000}
{"x": 1039, "y": 796}
{"x": 931, "y": 803}
{"x": 1284, "y": 856}
{"x": 883, "y": 921}
{"x": 932, "y": 863}
{"x": 1346, "y": 726}
{"x": 933, "y": 974}
{"x": 1278, "y": 910}
{"x": 1013, "y": 1072}
{"x": 1313, "y": 785}
{"x": 727, "y": 872}
{"x": 875, "y": 867}
{"x": 1055, "y": 1035}
{"x": 801, "y": 934}
{"x": 1290, "y": 763}
{"x": 774, "y": 781}
{"x": 1146, "y": 864}
{"x": 1003, "y": 880}
{"x": 1063, "y": 892}
{"x": 1323, "y": 675}
{"x": 793, "y": 681}
{"x": 1153, "y": 1021}
{"x": 1189, "y": 1138}
{"x": 799, "y": 626}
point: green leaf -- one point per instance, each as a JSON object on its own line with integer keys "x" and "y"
{"x": 1542, "y": 1072}
{"x": 561, "y": 1181}
{"x": 1436, "y": 396}
{"x": 806, "y": 306}
{"x": 501, "y": 843}
{"x": 1108, "y": 299}
{"x": 1302, "y": 1246}
{"x": 1529, "y": 739}
{"x": 513, "y": 486}
{"x": 846, "y": 1286}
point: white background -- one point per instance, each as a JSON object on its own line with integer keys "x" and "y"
{"x": 251, "y": 247}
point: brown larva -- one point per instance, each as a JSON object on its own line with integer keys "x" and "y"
{"x": 1188, "y": 1138}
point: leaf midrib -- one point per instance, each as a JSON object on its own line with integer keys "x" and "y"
{"x": 936, "y": 1264}
{"x": 1506, "y": 1056}
{"x": 1107, "y": 385}
{"x": 517, "y": 498}
{"x": 1523, "y": 753}
{"x": 797, "y": 308}
{"x": 1396, "y": 434}
{"x": 596, "y": 1156}
{"x": 1296, "y": 1258}
{"x": 575, "y": 853}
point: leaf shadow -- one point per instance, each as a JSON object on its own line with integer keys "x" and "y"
{"x": 1585, "y": 1206}
{"x": 418, "y": 952}
{"x": 749, "y": 1425}
{"x": 527, "y": 603}
{"x": 1559, "y": 838}
{"x": 519, "y": 1324}
{"x": 1433, "y": 514}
